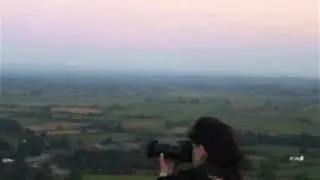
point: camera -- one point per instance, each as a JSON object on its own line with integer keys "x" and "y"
{"x": 181, "y": 151}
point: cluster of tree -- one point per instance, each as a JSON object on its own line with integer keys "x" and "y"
{"x": 10, "y": 127}
{"x": 34, "y": 145}
{"x": 19, "y": 170}
{"x": 107, "y": 126}
{"x": 32, "y": 114}
{"x": 6, "y": 149}
{"x": 112, "y": 161}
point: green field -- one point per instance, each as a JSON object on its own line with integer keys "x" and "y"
{"x": 312, "y": 171}
{"x": 245, "y": 112}
{"x": 274, "y": 150}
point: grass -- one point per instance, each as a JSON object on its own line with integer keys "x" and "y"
{"x": 104, "y": 177}
{"x": 312, "y": 171}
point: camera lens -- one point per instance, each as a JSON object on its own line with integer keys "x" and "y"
{"x": 181, "y": 151}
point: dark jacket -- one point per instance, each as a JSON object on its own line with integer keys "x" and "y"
{"x": 201, "y": 173}
{"x": 191, "y": 174}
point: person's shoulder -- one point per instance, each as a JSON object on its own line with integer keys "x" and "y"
{"x": 192, "y": 171}
{"x": 198, "y": 174}
{"x": 190, "y": 174}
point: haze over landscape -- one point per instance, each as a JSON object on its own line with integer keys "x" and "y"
{"x": 256, "y": 37}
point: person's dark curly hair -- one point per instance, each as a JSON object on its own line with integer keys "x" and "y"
{"x": 224, "y": 156}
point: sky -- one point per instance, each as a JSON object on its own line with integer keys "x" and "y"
{"x": 259, "y": 37}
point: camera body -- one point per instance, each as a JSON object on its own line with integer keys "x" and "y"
{"x": 181, "y": 151}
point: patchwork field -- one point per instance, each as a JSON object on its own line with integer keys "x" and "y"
{"x": 71, "y": 132}
{"x": 76, "y": 110}
{"x": 58, "y": 126}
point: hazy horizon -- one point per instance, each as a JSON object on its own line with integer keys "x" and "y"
{"x": 248, "y": 37}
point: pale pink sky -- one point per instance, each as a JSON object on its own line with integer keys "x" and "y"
{"x": 202, "y": 33}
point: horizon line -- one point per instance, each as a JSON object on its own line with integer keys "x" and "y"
{"x": 87, "y": 72}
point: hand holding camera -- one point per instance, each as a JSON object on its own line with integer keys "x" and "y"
{"x": 170, "y": 155}
{"x": 166, "y": 165}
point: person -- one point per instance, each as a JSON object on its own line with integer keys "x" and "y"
{"x": 216, "y": 155}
